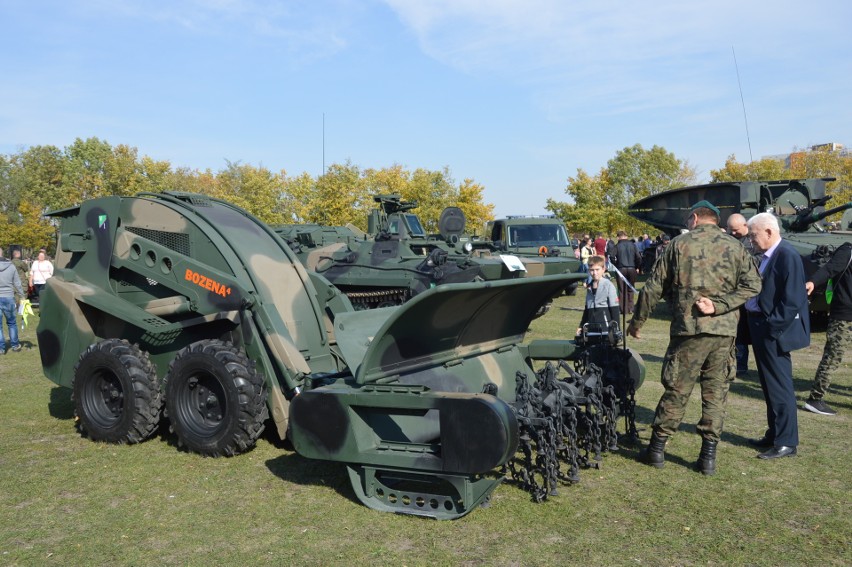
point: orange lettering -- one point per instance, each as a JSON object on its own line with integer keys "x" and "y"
{"x": 206, "y": 283}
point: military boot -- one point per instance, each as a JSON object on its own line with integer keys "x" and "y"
{"x": 654, "y": 455}
{"x": 706, "y": 463}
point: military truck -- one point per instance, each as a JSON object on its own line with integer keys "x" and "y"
{"x": 530, "y": 235}
{"x": 184, "y": 309}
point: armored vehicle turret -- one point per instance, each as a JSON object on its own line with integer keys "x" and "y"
{"x": 396, "y": 259}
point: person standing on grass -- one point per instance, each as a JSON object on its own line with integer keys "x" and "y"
{"x": 601, "y": 297}
{"x": 20, "y": 265}
{"x": 600, "y": 244}
{"x": 838, "y": 335}
{"x": 706, "y": 276}
{"x": 738, "y": 228}
{"x": 41, "y": 270}
{"x": 627, "y": 261}
{"x": 587, "y": 250}
{"x": 779, "y": 323}
{"x": 10, "y": 284}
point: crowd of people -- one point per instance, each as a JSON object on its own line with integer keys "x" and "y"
{"x": 727, "y": 290}
{"x": 646, "y": 249}
{"x": 13, "y": 294}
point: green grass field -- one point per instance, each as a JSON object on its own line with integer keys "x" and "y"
{"x": 65, "y": 500}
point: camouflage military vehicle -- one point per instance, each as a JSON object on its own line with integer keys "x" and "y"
{"x": 530, "y": 236}
{"x": 184, "y": 307}
{"x": 799, "y": 205}
{"x": 396, "y": 259}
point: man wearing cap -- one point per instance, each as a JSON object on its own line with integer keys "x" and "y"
{"x": 705, "y": 275}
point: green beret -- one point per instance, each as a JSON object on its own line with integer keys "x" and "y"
{"x": 706, "y": 205}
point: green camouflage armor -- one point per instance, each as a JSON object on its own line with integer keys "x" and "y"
{"x": 704, "y": 262}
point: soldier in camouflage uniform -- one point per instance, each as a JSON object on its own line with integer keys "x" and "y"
{"x": 20, "y": 265}
{"x": 705, "y": 275}
{"x": 838, "y": 335}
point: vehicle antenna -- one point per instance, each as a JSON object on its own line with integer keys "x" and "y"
{"x": 745, "y": 117}
{"x": 323, "y": 144}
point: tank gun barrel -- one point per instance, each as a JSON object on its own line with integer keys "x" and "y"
{"x": 808, "y": 216}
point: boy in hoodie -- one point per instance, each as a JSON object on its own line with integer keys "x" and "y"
{"x": 10, "y": 284}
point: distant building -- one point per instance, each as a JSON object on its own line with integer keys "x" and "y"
{"x": 792, "y": 158}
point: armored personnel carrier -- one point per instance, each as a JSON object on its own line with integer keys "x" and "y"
{"x": 799, "y": 205}
{"x": 396, "y": 259}
{"x": 185, "y": 308}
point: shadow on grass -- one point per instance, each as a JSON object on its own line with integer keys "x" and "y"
{"x": 644, "y": 419}
{"x": 648, "y": 357}
{"x": 60, "y": 405}
{"x": 27, "y": 344}
{"x": 749, "y": 386}
{"x": 296, "y": 469}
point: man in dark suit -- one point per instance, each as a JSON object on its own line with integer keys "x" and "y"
{"x": 627, "y": 262}
{"x": 779, "y": 324}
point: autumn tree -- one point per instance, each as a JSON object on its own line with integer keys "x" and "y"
{"x": 42, "y": 177}
{"x": 805, "y": 164}
{"x": 340, "y": 197}
{"x": 599, "y": 203}
{"x": 50, "y": 178}
{"x": 766, "y": 169}
{"x": 255, "y": 189}
{"x": 471, "y": 200}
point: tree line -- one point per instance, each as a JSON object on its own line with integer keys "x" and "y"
{"x": 39, "y": 179}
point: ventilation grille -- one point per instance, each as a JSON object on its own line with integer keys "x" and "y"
{"x": 177, "y": 241}
{"x": 198, "y": 201}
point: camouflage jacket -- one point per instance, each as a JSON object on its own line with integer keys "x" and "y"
{"x": 23, "y": 270}
{"x": 704, "y": 262}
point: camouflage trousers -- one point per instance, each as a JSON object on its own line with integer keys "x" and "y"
{"x": 838, "y": 339}
{"x": 704, "y": 359}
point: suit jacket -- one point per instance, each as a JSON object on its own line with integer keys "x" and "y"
{"x": 783, "y": 299}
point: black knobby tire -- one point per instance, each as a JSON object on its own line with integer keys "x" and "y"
{"x": 215, "y": 399}
{"x": 116, "y": 395}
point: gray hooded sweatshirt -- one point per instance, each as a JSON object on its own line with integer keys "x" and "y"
{"x": 10, "y": 281}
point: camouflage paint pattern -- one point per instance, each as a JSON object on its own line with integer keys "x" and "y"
{"x": 395, "y": 263}
{"x": 838, "y": 341}
{"x": 704, "y": 262}
{"x": 390, "y": 391}
{"x": 707, "y": 360}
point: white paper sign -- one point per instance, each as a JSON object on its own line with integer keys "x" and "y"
{"x": 513, "y": 263}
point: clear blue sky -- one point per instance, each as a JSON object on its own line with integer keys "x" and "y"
{"x": 515, "y": 94}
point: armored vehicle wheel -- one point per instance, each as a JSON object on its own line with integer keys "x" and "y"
{"x": 115, "y": 391}
{"x": 215, "y": 399}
